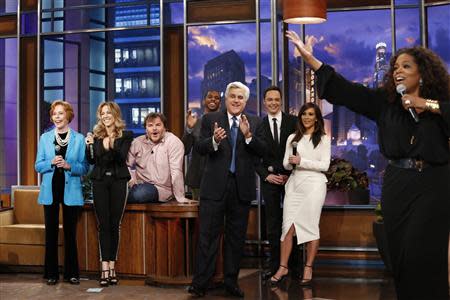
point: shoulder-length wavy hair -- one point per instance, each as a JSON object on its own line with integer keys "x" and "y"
{"x": 319, "y": 128}
{"x": 100, "y": 129}
{"x": 432, "y": 70}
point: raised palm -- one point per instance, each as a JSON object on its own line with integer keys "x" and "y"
{"x": 305, "y": 49}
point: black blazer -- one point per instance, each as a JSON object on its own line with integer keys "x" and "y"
{"x": 214, "y": 180}
{"x": 274, "y": 153}
{"x": 197, "y": 163}
{"x": 113, "y": 160}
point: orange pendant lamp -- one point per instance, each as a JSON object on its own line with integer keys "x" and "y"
{"x": 304, "y": 11}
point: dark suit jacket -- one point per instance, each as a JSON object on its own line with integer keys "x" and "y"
{"x": 215, "y": 176}
{"x": 113, "y": 160}
{"x": 197, "y": 162}
{"x": 274, "y": 153}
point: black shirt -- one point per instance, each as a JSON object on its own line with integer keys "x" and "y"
{"x": 112, "y": 160}
{"x": 58, "y": 179}
{"x": 399, "y": 136}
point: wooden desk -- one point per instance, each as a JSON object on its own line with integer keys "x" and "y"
{"x": 157, "y": 241}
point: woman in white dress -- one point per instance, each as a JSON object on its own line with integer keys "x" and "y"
{"x": 305, "y": 189}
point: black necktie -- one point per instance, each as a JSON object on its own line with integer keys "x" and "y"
{"x": 275, "y": 131}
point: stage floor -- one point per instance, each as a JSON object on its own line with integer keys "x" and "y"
{"x": 32, "y": 286}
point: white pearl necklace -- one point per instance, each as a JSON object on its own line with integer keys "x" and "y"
{"x": 62, "y": 142}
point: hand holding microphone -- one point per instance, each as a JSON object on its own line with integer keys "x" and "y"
{"x": 89, "y": 140}
{"x": 401, "y": 89}
{"x": 294, "y": 159}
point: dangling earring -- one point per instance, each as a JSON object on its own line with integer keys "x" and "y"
{"x": 420, "y": 82}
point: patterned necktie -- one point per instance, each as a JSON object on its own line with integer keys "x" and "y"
{"x": 234, "y": 133}
{"x": 275, "y": 131}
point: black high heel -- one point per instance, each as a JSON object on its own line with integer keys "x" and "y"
{"x": 112, "y": 277}
{"x": 279, "y": 280}
{"x": 306, "y": 282}
{"x": 104, "y": 280}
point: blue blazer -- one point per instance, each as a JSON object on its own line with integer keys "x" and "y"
{"x": 75, "y": 157}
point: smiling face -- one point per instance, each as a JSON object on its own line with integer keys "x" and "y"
{"x": 272, "y": 102}
{"x": 235, "y": 101}
{"x": 155, "y": 129}
{"x": 212, "y": 101}
{"x": 309, "y": 120}
{"x": 406, "y": 71}
{"x": 59, "y": 118}
{"x": 107, "y": 116}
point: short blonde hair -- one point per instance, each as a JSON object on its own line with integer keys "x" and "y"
{"x": 67, "y": 108}
{"x": 100, "y": 129}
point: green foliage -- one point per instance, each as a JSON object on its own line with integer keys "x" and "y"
{"x": 344, "y": 177}
{"x": 378, "y": 213}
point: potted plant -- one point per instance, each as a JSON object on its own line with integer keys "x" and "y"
{"x": 380, "y": 237}
{"x": 346, "y": 185}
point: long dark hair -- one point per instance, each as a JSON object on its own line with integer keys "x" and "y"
{"x": 435, "y": 79}
{"x": 319, "y": 128}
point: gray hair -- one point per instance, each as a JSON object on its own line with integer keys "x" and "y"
{"x": 237, "y": 85}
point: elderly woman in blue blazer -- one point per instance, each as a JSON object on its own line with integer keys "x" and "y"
{"x": 61, "y": 161}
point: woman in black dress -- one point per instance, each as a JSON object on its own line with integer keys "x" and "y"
{"x": 108, "y": 149}
{"x": 416, "y": 190}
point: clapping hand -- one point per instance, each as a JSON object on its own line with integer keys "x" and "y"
{"x": 244, "y": 125}
{"x": 191, "y": 119}
{"x": 219, "y": 133}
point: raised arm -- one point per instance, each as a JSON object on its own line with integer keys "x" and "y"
{"x": 335, "y": 88}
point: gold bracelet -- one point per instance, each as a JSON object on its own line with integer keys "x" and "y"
{"x": 431, "y": 105}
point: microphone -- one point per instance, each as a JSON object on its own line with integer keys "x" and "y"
{"x": 294, "y": 150}
{"x": 401, "y": 89}
{"x": 270, "y": 169}
{"x": 91, "y": 147}
{"x": 58, "y": 152}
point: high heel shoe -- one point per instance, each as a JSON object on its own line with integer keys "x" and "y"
{"x": 279, "y": 280}
{"x": 306, "y": 282}
{"x": 112, "y": 277}
{"x": 104, "y": 278}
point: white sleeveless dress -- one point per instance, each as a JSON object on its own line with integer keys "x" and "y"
{"x": 306, "y": 188}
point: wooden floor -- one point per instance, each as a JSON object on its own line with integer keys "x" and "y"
{"x": 32, "y": 286}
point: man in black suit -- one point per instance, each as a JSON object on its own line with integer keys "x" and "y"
{"x": 228, "y": 186}
{"x": 275, "y": 129}
{"x": 191, "y": 136}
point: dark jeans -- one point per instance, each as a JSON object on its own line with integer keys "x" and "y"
{"x": 143, "y": 193}
{"x": 109, "y": 202}
{"x": 70, "y": 218}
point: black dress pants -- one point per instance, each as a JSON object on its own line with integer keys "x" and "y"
{"x": 109, "y": 202}
{"x": 416, "y": 210}
{"x": 273, "y": 195}
{"x": 70, "y": 218}
{"x": 212, "y": 216}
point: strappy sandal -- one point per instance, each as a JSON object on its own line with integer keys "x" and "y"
{"x": 104, "y": 278}
{"x": 112, "y": 277}
{"x": 306, "y": 282}
{"x": 279, "y": 280}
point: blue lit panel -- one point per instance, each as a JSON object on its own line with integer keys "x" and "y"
{"x": 439, "y": 31}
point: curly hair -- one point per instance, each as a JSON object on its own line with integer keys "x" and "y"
{"x": 100, "y": 129}
{"x": 432, "y": 70}
{"x": 67, "y": 108}
{"x": 319, "y": 128}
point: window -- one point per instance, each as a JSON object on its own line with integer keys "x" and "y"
{"x": 126, "y": 54}
{"x": 127, "y": 84}
{"x": 117, "y": 56}
{"x": 118, "y": 85}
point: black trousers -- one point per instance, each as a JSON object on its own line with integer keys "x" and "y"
{"x": 109, "y": 202}
{"x": 70, "y": 218}
{"x": 212, "y": 215}
{"x": 273, "y": 195}
{"x": 416, "y": 211}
